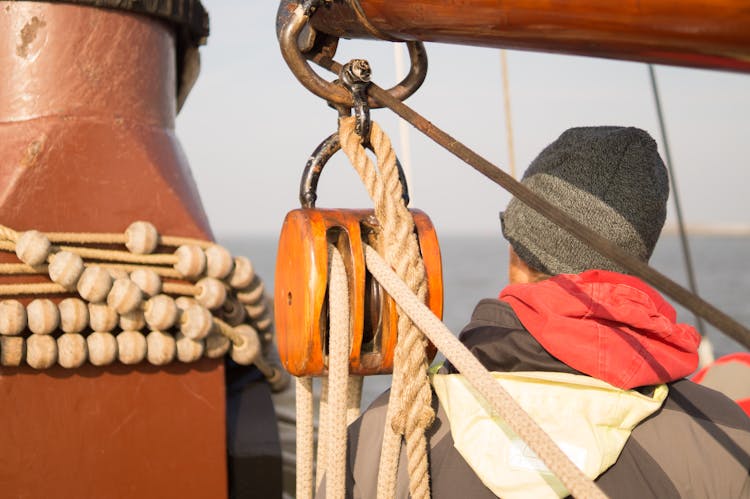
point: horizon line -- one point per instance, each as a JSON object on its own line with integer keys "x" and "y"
{"x": 670, "y": 229}
{"x": 705, "y": 229}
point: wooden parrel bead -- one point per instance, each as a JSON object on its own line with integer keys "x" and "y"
{"x": 125, "y": 296}
{"x": 43, "y": 316}
{"x": 132, "y": 321}
{"x": 188, "y": 349}
{"x": 233, "y": 313}
{"x": 242, "y": 274}
{"x": 12, "y": 350}
{"x": 102, "y": 348}
{"x": 33, "y": 248}
{"x": 131, "y": 347}
{"x": 160, "y": 312}
{"x": 266, "y": 337}
{"x": 102, "y": 317}
{"x": 191, "y": 261}
{"x": 117, "y": 274}
{"x": 94, "y": 284}
{"x": 219, "y": 262}
{"x": 65, "y": 269}
{"x": 183, "y": 302}
{"x": 147, "y": 280}
{"x": 41, "y": 351}
{"x": 264, "y": 323}
{"x": 252, "y": 294}
{"x": 247, "y": 352}
{"x": 72, "y": 350}
{"x": 141, "y": 238}
{"x": 196, "y": 322}
{"x": 212, "y": 293}
{"x": 217, "y": 345}
{"x": 257, "y": 311}
{"x": 161, "y": 348}
{"x": 279, "y": 380}
{"x": 12, "y": 317}
{"x": 74, "y": 315}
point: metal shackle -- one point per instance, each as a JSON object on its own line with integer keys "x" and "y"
{"x": 314, "y": 166}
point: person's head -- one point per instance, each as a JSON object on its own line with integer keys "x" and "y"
{"x": 611, "y": 179}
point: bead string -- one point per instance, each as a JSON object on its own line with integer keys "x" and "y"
{"x": 127, "y": 289}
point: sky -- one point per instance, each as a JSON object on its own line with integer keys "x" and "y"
{"x": 248, "y": 126}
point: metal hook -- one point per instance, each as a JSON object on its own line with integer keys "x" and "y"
{"x": 314, "y": 167}
{"x": 293, "y": 24}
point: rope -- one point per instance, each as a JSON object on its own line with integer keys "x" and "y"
{"x": 32, "y": 289}
{"x": 173, "y": 288}
{"x": 501, "y": 402}
{"x": 338, "y": 374}
{"x": 508, "y": 116}
{"x": 161, "y": 271}
{"x": 410, "y": 411}
{"x": 226, "y": 330}
{"x": 120, "y": 256}
{"x": 680, "y": 219}
{"x": 118, "y": 238}
{"x": 304, "y": 437}
{"x": 323, "y": 432}
{"x": 8, "y": 234}
{"x": 21, "y": 269}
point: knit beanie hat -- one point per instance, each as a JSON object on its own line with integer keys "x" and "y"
{"x": 610, "y": 179}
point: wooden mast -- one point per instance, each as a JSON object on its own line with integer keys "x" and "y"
{"x": 87, "y": 143}
{"x": 693, "y": 33}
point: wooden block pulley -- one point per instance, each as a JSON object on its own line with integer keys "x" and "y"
{"x": 301, "y": 290}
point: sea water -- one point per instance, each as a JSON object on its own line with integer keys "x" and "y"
{"x": 475, "y": 267}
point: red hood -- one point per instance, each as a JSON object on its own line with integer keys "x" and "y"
{"x": 610, "y": 326}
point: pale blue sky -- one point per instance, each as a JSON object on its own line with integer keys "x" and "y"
{"x": 248, "y": 127}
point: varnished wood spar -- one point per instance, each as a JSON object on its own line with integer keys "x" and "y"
{"x": 302, "y": 281}
{"x": 695, "y": 33}
{"x": 87, "y": 109}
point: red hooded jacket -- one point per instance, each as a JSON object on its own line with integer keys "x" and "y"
{"x": 610, "y": 326}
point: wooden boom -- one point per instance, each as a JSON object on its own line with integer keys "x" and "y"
{"x": 698, "y": 33}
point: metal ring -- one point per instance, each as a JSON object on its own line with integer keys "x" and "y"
{"x": 314, "y": 167}
{"x": 332, "y": 92}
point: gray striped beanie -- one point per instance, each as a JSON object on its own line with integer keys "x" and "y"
{"x": 611, "y": 179}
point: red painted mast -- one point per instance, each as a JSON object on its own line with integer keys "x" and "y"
{"x": 87, "y": 143}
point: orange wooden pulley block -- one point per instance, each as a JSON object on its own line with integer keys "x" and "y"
{"x": 301, "y": 287}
